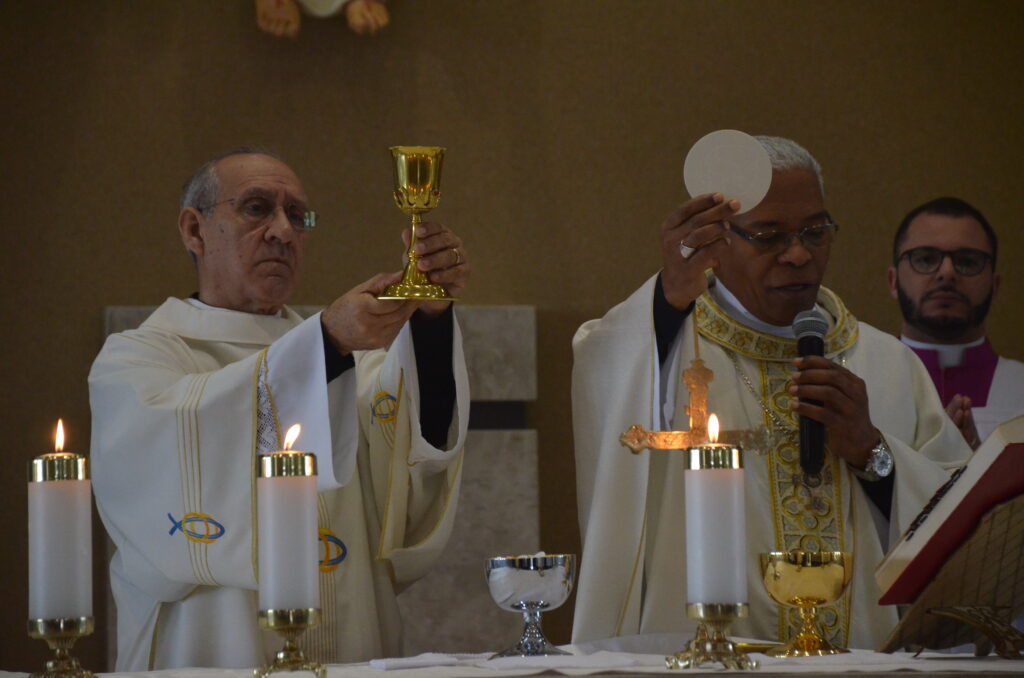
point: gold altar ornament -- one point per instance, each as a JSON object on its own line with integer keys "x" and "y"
{"x": 711, "y": 643}
{"x": 417, "y": 178}
{"x": 806, "y": 580}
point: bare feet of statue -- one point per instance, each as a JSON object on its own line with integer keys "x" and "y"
{"x": 279, "y": 17}
{"x": 366, "y": 17}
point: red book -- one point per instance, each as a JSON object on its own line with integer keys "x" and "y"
{"x": 994, "y": 474}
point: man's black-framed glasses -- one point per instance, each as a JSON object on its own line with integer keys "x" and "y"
{"x": 966, "y": 260}
{"x": 773, "y": 240}
{"x": 257, "y": 210}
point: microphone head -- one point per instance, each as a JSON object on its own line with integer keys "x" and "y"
{"x": 810, "y": 323}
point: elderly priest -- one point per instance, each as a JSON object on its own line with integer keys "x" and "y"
{"x": 889, "y": 444}
{"x": 182, "y": 406}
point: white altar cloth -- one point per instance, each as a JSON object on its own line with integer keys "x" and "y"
{"x": 857, "y": 662}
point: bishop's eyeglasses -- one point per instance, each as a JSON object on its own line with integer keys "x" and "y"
{"x": 776, "y": 241}
{"x": 258, "y": 210}
{"x": 966, "y": 260}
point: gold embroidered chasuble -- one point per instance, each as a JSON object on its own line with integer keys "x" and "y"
{"x": 632, "y": 507}
{"x": 804, "y": 517}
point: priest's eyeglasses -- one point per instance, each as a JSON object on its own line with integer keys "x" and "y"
{"x": 258, "y": 210}
{"x": 811, "y": 237}
{"x": 966, "y": 260}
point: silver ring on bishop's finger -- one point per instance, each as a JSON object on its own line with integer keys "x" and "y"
{"x": 458, "y": 256}
{"x": 685, "y": 250}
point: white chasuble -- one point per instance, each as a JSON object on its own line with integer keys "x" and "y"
{"x": 631, "y": 507}
{"x": 1005, "y": 397}
{"x": 182, "y": 406}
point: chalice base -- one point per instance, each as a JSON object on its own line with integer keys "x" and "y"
{"x": 807, "y": 643}
{"x": 415, "y": 285}
{"x": 427, "y": 292}
{"x": 60, "y": 635}
{"x": 290, "y": 624}
{"x": 533, "y": 643}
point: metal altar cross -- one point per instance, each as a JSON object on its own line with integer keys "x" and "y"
{"x": 697, "y": 378}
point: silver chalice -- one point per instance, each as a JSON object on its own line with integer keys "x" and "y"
{"x": 531, "y": 585}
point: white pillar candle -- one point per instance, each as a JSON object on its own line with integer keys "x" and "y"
{"x": 716, "y": 530}
{"x": 59, "y": 535}
{"x": 286, "y": 506}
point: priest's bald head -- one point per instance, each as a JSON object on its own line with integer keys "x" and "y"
{"x": 244, "y": 219}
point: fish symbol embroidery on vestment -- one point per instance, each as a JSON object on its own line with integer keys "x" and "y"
{"x": 384, "y": 406}
{"x": 334, "y": 550}
{"x": 211, "y": 529}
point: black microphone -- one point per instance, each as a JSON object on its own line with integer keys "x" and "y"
{"x": 810, "y": 328}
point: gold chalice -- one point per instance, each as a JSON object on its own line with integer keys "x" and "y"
{"x": 805, "y": 580}
{"x": 417, "y": 190}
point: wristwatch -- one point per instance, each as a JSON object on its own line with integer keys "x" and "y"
{"x": 879, "y": 464}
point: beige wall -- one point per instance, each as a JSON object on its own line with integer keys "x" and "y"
{"x": 566, "y": 123}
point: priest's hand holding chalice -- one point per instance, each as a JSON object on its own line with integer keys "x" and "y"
{"x": 436, "y": 269}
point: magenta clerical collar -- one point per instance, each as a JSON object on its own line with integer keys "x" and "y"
{"x": 972, "y": 377}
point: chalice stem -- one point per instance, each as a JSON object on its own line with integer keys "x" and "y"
{"x": 410, "y": 267}
{"x": 533, "y": 639}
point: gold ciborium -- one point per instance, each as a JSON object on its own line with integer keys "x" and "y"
{"x": 805, "y": 580}
{"x": 417, "y": 190}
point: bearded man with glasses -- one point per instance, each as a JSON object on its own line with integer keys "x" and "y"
{"x": 182, "y": 405}
{"x": 889, "y": 445}
{"x": 944, "y": 276}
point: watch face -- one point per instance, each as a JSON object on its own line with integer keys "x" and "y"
{"x": 881, "y": 462}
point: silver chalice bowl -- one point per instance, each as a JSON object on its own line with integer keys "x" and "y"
{"x": 531, "y": 585}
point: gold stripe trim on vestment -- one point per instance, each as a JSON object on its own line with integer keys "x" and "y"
{"x": 261, "y": 359}
{"x": 386, "y": 517}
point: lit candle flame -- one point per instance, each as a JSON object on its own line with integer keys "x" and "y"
{"x": 58, "y": 443}
{"x": 290, "y": 437}
{"x": 713, "y": 428}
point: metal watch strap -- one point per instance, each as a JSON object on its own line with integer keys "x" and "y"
{"x": 881, "y": 455}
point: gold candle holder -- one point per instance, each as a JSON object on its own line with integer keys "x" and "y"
{"x": 805, "y": 580}
{"x": 60, "y": 633}
{"x": 290, "y": 624}
{"x": 711, "y": 643}
{"x": 417, "y": 191}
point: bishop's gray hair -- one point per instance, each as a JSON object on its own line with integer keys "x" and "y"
{"x": 786, "y": 154}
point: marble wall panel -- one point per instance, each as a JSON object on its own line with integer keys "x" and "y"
{"x": 450, "y": 610}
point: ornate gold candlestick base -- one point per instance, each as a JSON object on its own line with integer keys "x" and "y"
{"x": 711, "y": 645}
{"x": 60, "y": 635}
{"x": 290, "y": 624}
